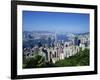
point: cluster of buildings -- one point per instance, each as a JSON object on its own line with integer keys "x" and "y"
{"x": 60, "y": 50}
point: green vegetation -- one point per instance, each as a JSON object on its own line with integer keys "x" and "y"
{"x": 38, "y": 61}
{"x": 80, "y": 59}
{"x": 33, "y": 62}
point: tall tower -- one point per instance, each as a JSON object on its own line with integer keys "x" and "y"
{"x": 55, "y": 37}
{"x": 76, "y": 40}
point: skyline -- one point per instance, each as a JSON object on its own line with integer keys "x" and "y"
{"x": 55, "y": 22}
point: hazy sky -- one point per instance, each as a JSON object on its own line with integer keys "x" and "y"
{"x": 55, "y": 21}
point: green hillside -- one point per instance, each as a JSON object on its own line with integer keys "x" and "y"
{"x": 80, "y": 59}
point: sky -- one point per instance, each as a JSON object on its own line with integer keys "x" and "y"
{"x": 55, "y": 21}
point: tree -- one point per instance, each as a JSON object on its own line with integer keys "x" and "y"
{"x": 80, "y": 59}
{"x": 34, "y": 62}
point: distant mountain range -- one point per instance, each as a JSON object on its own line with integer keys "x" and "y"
{"x": 82, "y": 33}
{"x": 69, "y": 33}
{"x": 37, "y": 32}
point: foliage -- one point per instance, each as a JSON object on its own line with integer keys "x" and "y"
{"x": 33, "y": 62}
{"x": 38, "y": 61}
{"x": 80, "y": 59}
